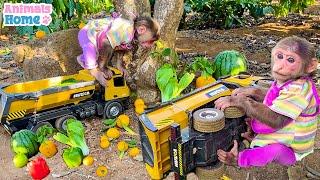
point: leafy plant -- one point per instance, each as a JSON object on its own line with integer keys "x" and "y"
{"x": 283, "y": 7}
{"x": 75, "y": 136}
{"x": 165, "y": 55}
{"x": 203, "y": 65}
{"x": 44, "y": 132}
{"x": 168, "y": 83}
{"x": 65, "y": 14}
{"x": 226, "y": 13}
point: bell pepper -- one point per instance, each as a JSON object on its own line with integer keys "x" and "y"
{"x": 72, "y": 157}
{"x": 38, "y": 168}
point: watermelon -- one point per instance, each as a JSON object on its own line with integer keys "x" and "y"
{"x": 229, "y": 63}
{"x": 25, "y": 142}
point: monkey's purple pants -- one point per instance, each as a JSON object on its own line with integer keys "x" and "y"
{"x": 261, "y": 156}
{"x": 88, "y": 58}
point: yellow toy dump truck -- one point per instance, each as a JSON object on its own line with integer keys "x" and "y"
{"x": 161, "y": 151}
{"x": 54, "y": 100}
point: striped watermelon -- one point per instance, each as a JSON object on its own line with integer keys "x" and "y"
{"x": 229, "y": 63}
{"x": 25, "y": 142}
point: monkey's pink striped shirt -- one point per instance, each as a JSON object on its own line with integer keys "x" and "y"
{"x": 119, "y": 31}
{"x": 295, "y": 99}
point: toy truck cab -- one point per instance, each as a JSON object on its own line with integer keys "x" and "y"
{"x": 54, "y": 100}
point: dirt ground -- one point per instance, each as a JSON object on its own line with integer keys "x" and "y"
{"x": 255, "y": 42}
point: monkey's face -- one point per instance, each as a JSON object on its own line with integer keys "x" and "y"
{"x": 145, "y": 37}
{"x": 286, "y": 64}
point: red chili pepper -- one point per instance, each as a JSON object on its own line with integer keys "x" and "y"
{"x": 38, "y": 168}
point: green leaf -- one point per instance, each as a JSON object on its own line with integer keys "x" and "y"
{"x": 24, "y": 30}
{"x": 108, "y": 121}
{"x": 163, "y": 76}
{"x": 166, "y": 52}
{"x": 62, "y": 6}
{"x": 71, "y": 8}
{"x": 129, "y": 130}
{"x": 132, "y": 143}
{"x": 170, "y": 89}
{"x": 62, "y": 138}
{"x": 44, "y": 28}
{"x": 184, "y": 82}
{"x": 44, "y": 132}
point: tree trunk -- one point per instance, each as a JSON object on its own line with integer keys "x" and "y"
{"x": 168, "y": 13}
{"x": 142, "y": 67}
{"x": 131, "y": 8}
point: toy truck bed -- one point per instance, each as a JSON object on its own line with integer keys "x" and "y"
{"x": 155, "y": 124}
{"x": 19, "y": 100}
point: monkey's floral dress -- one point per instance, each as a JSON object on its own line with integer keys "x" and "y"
{"x": 298, "y": 100}
{"x": 118, "y": 31}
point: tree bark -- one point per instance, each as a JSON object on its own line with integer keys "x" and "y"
{"x": 142, "y": 67}
{"x": 168, "y": 13}
{"x": 131, "y": 8}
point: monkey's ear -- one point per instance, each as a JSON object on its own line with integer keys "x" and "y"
{"x": 141, "y": 29}
{"x": 312, "y": 66}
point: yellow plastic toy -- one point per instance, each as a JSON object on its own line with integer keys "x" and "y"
{"x": 155, "y": 124}
{"x": 54, "y": 100}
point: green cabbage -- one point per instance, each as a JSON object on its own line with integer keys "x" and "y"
{"x": 75, "y": 136}
{"x": 72, "y": 157}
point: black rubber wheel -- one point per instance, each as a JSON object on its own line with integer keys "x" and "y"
{"x": 211, "y": 172}
{"x": 60, "y": 123}
{"x": 112, "y": 110}
{"x": 208, "y": 120}
{"x": 40, "y": 124}
{"x": 233, "y": 112}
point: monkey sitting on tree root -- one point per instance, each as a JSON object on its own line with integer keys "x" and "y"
{"x": 284, "y": 118}
{"x": 101, "y": 37}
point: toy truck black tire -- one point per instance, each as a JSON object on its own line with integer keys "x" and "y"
{"x": 60, "y": 123}
{"x": 208, "y": 120}
{"x": 211, "y": 172}
{"x": 40, "y": 124}
{"x": 112, "y": 110}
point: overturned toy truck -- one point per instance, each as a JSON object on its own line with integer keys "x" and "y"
{"x": 195, "y": 147}
{"x": 174, "y": 136}
{"x": 30, "y": 105}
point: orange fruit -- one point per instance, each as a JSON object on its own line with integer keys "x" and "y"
{"x": 40, "y": 34}
{"x": 133, "y": 152}
{"x": 203, "y": 81}
{"x": 102, "y": 171}
{"x": 138, "y": 102}
{"x": 122, "y": 146}
{"x": 123, "y": 120}
{"x": 139, "y": 109}
{"x": 113, "y": 133}
{"x": 104, "y": 142}
{"x": 88, "y": 160}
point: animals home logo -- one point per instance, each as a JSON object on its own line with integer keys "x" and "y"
{"x": 19, "y": 14}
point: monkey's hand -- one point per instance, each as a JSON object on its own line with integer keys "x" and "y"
{"x": 249, "y": 134}
{"x": 256, "y": 93}
{"x": 229, "y": 158}
{"x": 123, "y": 70}
{"x": 107, "y": 72}
{"x": 223, "y": 102}
{"x": 100, "y": 76}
